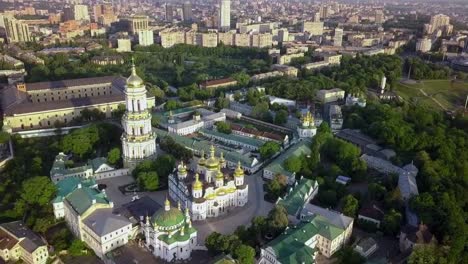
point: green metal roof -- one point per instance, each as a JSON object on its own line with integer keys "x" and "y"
{"x": 246, "y": 140}
{"x": 199, "y": 145}
{"x": 97, "y": 162}
{"x": 297, "y": 196}
{"x": 177, "y": 236}
{"x": 290, "y": 246}
{"x": 68, "y": 185}
{"x": 301, "y": 148}
{"x": 166, "y": 219}
{"x": 82, "y": 198}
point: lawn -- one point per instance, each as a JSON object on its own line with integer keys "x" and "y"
{"x": 450, "y": 95}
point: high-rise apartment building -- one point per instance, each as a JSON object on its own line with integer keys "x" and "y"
{"x": 138, "y": 23}
{"x": 379, "y": 17}
{"x": 424, "y": 45}
{"x": 104, "y": 14}
{"x": 439, "y": 22}
{"x": 314, "y": 28}
{"x": 145, "y": 37}
{"x": 187, "y": 11}
{"x": 81, "y": 12}
{"x": 225, "y": 15}
{"x": 338, "y": 37}
{"x": 169, "y": 12}
{"x": 16, "y": 30}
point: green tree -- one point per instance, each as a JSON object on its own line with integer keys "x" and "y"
{"x": 244, "y": 254}
{"x": 293, "y": 164}
{"x": 277, "y": 186}
{"x": 242, "y": 78}
{"x": 348, "y": 256}
{"x": 171, "y": 105}
{"x": 223, "y": 127}
{"x": 350, "y": 205}
{"x": 277, "y": 219}
{"x": 164, "y": 165}
{"x": 81, "y": 141}
{"x": 281, "y": 117}
{"x": 427, "y": 254}
{"x": 269, "y": 149}
{"x": 38, "y": 190}
{"x": 391, "y": 222}
{"x": 155, "y": 121}
{"x": 260, "y": 110}
{"x": 78, "y": 248}
{"x": 148, "y": 180}
{"x": 114, "y": 155}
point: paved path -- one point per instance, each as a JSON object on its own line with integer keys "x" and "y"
{"x": 225, "y": 225}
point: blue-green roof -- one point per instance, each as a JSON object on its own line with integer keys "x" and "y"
{"x": 199, "y": 145}
{"x": 97, "y": 162}
{"x": 81, "y": 199}
{"x": 177, "y": 236}
{"x": 297, "y": 196}
{"x": 290, "y": 247}
{"x": 68, "y": 185}
{"x": 246, "y": 140}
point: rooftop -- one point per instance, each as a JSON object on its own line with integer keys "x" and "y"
{"x": 83, "y": 198}
{"x": 297, "y": 196}
{"x": 103, "y": 221}
{"x": 335, "y": 218}
{"x": 18, "y": 229}
{"x": 70, "y": 83}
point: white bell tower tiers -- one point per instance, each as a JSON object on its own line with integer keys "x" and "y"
{"x": 138, "y": 138}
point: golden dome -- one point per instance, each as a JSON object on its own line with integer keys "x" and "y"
{"x": 239, "y": 172}
{"x": 219, "y": 174}
{"x": 202, "y": 160}
{"x": 182, "y": 169}
{"x": 221, "y": 157}
{"x": 134, "y": 80}
{"x": 197, "y": 185}
{"x": 212, "y": 162}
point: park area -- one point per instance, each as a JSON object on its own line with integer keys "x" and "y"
{"x": 440, "y": 94}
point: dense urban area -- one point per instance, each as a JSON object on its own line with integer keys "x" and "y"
{"x": 234, "y": 131}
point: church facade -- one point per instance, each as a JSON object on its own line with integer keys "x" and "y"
{"x": 169, "y": 233}
{"x": 138, "y": 139}
{"x": 307, "y": 129}
{"x": 211, "y": 190}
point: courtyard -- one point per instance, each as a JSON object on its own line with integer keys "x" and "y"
{"x": 225, "y": 225}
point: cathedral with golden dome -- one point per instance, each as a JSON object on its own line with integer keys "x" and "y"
{"x": 307, "y": 129}
{"x": 169, "y": 233}
{"x": 209, "y": 189}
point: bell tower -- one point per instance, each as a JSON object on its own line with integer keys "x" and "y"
{"x": 138, "y": 138}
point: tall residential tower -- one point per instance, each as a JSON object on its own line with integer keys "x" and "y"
{"x": 225, "y": 15}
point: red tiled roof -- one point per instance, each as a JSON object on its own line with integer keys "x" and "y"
{"x": 227, "y": 81}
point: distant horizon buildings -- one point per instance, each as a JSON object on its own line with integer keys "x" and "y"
{"x": 225, "y": 15}
{"x": 169, "y": 12}
{"x": 439, "y": 22}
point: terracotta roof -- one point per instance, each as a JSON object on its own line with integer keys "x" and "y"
{"x": 226, "y": 81}
{"x": 69, "y": 83}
